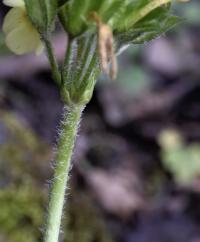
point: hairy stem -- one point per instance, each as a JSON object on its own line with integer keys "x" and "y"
{"x": 66, "y": 142}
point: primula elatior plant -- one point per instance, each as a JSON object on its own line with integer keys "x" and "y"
{"x": 97, "y": 31}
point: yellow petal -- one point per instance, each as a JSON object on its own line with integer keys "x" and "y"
{"x": 13, "y": 19}
{"x": 14, "y": 3}
{"x": 23, "y": 39}
{"x": 39, "y": 48}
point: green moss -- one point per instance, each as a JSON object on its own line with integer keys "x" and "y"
{"x": 85, "y": 224}
{"x": 21, "y": 212}
{"x": 21, "y": 199}
{"x": 24, "y": 163}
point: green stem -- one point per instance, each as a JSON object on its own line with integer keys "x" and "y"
{"x": 52, "y": 60}
{"x": 63, "y": 163}
{"x": 76, "y": 96}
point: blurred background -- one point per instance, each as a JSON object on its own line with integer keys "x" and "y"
{"x": 136, "y": 173}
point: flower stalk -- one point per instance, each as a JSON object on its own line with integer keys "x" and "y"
{"x": 52, "y": 60}
{"x": 69, "y": 129}
{"x": 76, "y": 94}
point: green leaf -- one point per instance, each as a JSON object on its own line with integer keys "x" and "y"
{"x": 132, "y": 21}
{"x": 153, "y": 25}
{"x": 111, "y": 10}
{"x": 42, "y": 13}
{"x": 131, "y": 10}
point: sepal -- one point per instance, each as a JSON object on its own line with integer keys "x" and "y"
{"x": 42, "y": 13}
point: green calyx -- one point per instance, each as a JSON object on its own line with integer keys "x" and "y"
{"x": 132, "y": 21}
{"x": 121, "y": 15}
{"x": 123, "y": 22}
{"x": 140, "y": 19}
{"x": 80, "y": 70}
{"x": 42, "y": 13}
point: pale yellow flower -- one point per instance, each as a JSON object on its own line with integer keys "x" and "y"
{"x": 21, "y": 36}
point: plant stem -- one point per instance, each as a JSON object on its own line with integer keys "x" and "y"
{"x": 63, "y": 163}
{"x": 52, "y": 60}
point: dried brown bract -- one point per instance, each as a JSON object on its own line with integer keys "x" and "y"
{"x": 106, "y": 47}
